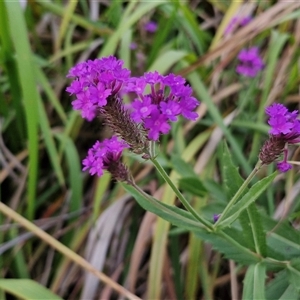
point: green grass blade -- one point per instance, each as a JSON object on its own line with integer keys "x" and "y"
{"x": 254, "y": 282}
{"x": 27, "y": 289}
{"x": 204, "y": 97}
{"x": 27, "y": 79}
{"x": 49, "y": 141}
{"x": 125, "y": 23}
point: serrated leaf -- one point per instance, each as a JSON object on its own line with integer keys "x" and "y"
{"x": 246, "y": 229}
{"x": 283, "y": 238}
{"x": 231, "y": 177}
{"x": 253, "y": 193}
{"x": 27, "y": 289}
{"x": 172, "y": 214}
{"x": 254, "y": 282}
{"x": 192, "y": 185}
{"x": 229, "y": 242}
{"x": 232, "y": 245}
{"x": 257, "y": 230}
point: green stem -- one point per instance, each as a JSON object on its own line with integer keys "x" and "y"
{"x": 65, "y": 250}
{"x": 239, "y": 192}
{"x": 182, "y": 199}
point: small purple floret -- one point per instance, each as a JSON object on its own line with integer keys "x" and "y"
{"x": 150, "y": 26}
{"x": 216, "y": 217}
{"x": 250, "y": 62}
{"x": 235, "y": 22}
{"x": 283, "y": 166}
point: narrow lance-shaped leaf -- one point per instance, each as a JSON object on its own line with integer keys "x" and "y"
{"x": 254, "y": 192}
{"x": 254, "y": 282}
{"x": 231, "y": 177}
{"x": 27, "y": 289}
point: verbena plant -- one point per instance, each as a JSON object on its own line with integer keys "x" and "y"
{"x": 209, "y": 203}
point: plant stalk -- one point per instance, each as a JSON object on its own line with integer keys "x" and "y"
{"x": 182, "y": 199}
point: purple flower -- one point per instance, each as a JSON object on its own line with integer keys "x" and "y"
{"x": 142, "y": 109}
{"x": 133, "y": 45}
{"x": 282, "y": 121}
{"x": 170, "y": 109}
{"x": 250, "y": 62}
{"x": 150, "y": 26}
{"x": 96, "y": 80}
{"x": 216, "y": 217}
{"x": 102, "y": 155}
{"x": 285, "y": 130}
{"x": 155, "y": 124}
{"x": 168, "y": 98}
{"x": 245, "y": 20}
{"x": 283, "y": 166}
{"x": 235, "y": 22}
{"x": 99, "y": 85}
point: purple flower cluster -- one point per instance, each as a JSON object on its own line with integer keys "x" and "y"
{"x": 285, "y": 129}
{"x": 235, "y": 22}
{"x": 169, "y": 97}
{"x": 95, "y": 81}
{"x": 150, "y": 26}
{"x": 100, "y": 79}
{"x": 103, "y": 154}
{"x": 283, "y": 122}
{"x": 250, "y": 62}
{"x": 159, "y": 100}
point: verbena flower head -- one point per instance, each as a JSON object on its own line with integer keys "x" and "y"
{"x": 236, "y": 22}
{"x": 167, "y": 97}
{"x": 285, "y": 129}
{"x": 159, "y": 100}
{"x": 150, "y": 26}
{"x": 250, "y": 62}
{"x": 95, "y": 80}
{"x": 106, "y": 155}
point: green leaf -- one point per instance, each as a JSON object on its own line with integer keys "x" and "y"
{"x": 254, "y": 192}
{"x": 244, "y": 221}
{"x": 75, "y": 174}
{"x": 294, "y": 273}
{"x": 203, "y": 94}
{"x": 27, "y": 289}
{"x": 231, "y": 243}
{"x": 49, "y": 141}
{"x": 282, "y": 237}
{"x": 231, "y": 177}
{"x": 257, "y": 230}
{"x": 280, "y": 288}
{"x": 254, "y": 282}
{"x": 129, "y": 17}
{"x": 172, "y": 214}
{"x": 182, "y": 167}
{"x": 192, "y": 185}
{"x": 19, "y": 34}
